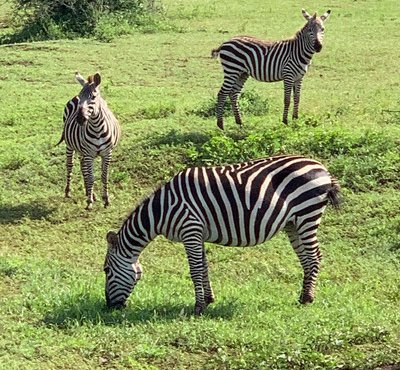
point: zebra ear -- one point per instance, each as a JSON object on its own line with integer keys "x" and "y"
{"x": 90, "y": 79}
{"x": 112, "y": 239}
{"x": 305, "y": 14}
{"x": 325, "y": 15}
{"x": 314, "y": 15}
{"x": 79, "y": 78}
{"x": 97, "y": 79}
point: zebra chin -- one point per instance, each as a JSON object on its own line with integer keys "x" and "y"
{"x": 81, "y": 119}
{"x": 317, "y": 46}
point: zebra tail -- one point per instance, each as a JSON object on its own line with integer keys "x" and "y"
{"x": 62, "y": 139}
{"x": 215, "y": 52}
{"x": 334, "y": 195}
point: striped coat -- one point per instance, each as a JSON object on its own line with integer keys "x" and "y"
{"x": 91, "y": 130}
{"x": 236, "y": 205}
{"x": 268, "y": 61}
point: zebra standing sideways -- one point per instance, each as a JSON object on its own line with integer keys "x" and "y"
{"x": 243, "y": 204}
{"x": 91, "y": 129}
{"x": 268, "y": 61}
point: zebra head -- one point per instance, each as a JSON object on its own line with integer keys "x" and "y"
{"x": 315, "y": 28}
{"x": 88, "y": 97}
{"x": 121, "y": 274}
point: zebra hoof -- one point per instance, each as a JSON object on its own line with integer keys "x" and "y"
{"x": 198, "y": 310}
{"x": 220, "y": 124}
{"x": 306, "y": 298}
{"x": 209, "y": 300}
{"x": 285, "y": 121}
{"x": 67, "y": 195}
{"x": 89, "y": 207}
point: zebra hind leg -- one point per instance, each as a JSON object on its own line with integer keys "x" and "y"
{"x": 226, "y": 89}
{"x": 234, "y": 95}
{"x": 69, "y": 164}
{"x": 305, "y": 244}
{"x": 208, "y": 292}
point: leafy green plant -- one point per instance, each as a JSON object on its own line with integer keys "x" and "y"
{"x": 250, "y": 102}
{"x": 105, "y": 19}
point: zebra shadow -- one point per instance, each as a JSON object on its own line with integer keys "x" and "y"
{"x": 37, "y": 210}
{"x": 94, "y": 311}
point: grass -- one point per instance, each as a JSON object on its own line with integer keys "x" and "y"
{"x": 51, "y": 250}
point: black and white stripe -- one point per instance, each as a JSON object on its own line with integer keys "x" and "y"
{"x": 236, "y": 205}
{"x": 90, "y": 129}
{"x": 285, "y": 60}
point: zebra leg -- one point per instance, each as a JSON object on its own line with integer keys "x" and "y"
{"x": 105, "y": 162}
{"x": 88, "y": 178}
{"x": 306, "y": 246}
{"x": 208, "y": 292}
{"x": 235, "y": 93}
{"x": 287, "y": 86}
{"x": 296, "y": 98}
{"x": 194, "y": 251}
{"x": 226, "y": 88}
{"x": 70, "y": 164}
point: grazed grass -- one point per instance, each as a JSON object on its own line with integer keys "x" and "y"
{"x": 51, "y": 250}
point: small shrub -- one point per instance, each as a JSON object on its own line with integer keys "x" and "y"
{"x": 250, "y": 102}
{"x": 105, "y": 19}
{"x": 156, "y": 111}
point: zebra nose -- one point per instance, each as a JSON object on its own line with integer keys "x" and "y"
{"x": 81, "y": 118}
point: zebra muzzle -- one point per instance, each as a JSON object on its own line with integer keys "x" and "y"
{"x": 81, "y": 118}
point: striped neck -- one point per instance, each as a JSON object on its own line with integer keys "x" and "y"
{"x": 305, "y": 48}
{"x": 139, "y": 229}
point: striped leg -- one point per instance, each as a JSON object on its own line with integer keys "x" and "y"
{"x": 194, "y": 251}
{"x": 105, "y": 162}
{"x": 226, "y": 88}
{"x": 70, "y": 164}
{"x": 296, "y": 98}
{"x": 305, "y": 244}
{"x": 88, "y": 178}
{"x": 237, "y": 88}
{"x": 287, "y": 85}
{"x": 208, "y": 292}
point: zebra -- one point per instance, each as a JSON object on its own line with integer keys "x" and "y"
{"x": 242, "y": 204}
{"x": 91, "y": 129}
{"x": 268, "y": 61}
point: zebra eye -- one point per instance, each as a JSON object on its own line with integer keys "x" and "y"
{"x": 107, "y": 269}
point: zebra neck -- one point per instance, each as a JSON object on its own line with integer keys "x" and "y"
{"x": 139, "y": 229}
{"x": 304, "y": 49}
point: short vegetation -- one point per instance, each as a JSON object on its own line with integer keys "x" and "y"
{"x": 162, "y": 86}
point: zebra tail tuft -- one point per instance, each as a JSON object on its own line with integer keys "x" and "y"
{"x": 215, "y": 52}
{"x": 334, "y": 195}
{"x": 62, "y": 139}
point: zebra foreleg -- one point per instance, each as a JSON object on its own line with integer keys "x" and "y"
{"x": 307, "y": 249}
{"x": 208, "y": 292}
{"x": 69, "y": 164}
{"x": 105, "y": 162}
{"x": 287, "y": 87}
{"x": 296, "y": 98}
{"x": 88, "y": 178}
{"x": 194, "y": 251}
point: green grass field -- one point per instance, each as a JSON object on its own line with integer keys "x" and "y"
{"x": 52, "y": 307}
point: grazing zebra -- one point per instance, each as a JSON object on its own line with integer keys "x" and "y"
{"x": 268, "y": 61}
{"x": 91, "y": 129}
{"x": 243, "y": 204}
